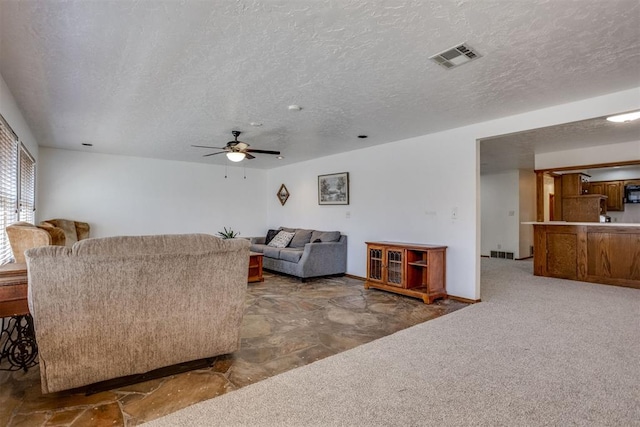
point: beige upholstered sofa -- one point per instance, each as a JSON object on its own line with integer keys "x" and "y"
{"x": 119, "y": 306}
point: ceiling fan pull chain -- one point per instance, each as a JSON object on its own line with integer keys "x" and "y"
{"x": 245, "y": 172}
{"x": 226, "y": 168}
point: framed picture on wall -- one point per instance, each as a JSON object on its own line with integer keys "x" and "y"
{"x": 333, "y": 189}
{"x": 283, "y": 194}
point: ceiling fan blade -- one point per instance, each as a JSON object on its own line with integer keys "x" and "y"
{"x": 251, "y": 150}
{"x": 248, "y": 156}
{"x": 213, "y": 154}
{"x": 207, "y": 146}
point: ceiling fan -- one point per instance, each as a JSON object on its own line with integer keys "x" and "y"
{"x": 236, "y": 150}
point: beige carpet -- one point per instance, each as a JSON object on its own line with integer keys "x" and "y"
{"x": 537, "y": 351}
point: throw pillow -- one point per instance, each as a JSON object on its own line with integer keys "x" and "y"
{"x": 281, "y": 240}
{"x": 301, "y": 238}
{"x": 270, "y": 235}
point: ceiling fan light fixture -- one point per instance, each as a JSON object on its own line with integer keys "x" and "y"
{"x": 622, "y": 118}
{"x": 236, "y": 157}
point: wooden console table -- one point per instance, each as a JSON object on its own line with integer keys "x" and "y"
{"x": 415, "y": 270}
{"x": 255, "y": 267}
{"x": 17, "y": 337}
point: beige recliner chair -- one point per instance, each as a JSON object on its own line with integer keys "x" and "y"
{"x": 73, "y": 230}
{"x": 57, "y": 232}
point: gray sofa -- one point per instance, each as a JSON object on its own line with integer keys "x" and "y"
{"x": 311, "y": 253}
{"x": 120, "y": 306}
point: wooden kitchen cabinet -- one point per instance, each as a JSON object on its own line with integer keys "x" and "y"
{"x": 598, "y": 253}
{"x": 614, "y": 190}
{"x": 587, "y": 208}
{"x": 596, "y": 187}
{"x": 415, "y": 270}
{"x": 575, "y": 184}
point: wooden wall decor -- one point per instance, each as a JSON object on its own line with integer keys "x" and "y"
{"x": 283, "y": 194}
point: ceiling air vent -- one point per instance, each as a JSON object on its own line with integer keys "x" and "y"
{"x": 455, "y": 56}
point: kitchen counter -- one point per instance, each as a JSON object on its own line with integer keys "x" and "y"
{"x": 598, "y": 252}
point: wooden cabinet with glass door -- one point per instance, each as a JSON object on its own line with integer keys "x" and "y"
{"x": 415, "y": 270}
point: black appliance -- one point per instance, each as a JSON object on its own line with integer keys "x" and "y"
{"x": 632, "y": 194}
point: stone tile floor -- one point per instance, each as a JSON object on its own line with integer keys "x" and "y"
{"x": 287, "y": 324}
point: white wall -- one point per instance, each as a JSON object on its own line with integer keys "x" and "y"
{"x": 615, "y": 174}
{"x": 589, "y": 155}
{"x": 549, "y": 188}
{"x": 631, "y": 213}
{"x": 12, "y": 114}
{"x": 392, "y": 197}
{"x": 507, "y": 200}
{"x": 409, "y": 198}
{"x": 119, "y": 195}
{"x": 527, "y": 201}
{"x": 499, "y": 196}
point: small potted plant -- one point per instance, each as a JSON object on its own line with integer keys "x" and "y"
{"x": 228, "y": 234}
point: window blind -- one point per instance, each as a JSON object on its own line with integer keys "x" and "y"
{"x": 27, "y": 186}
{"x": 8, "y": 186}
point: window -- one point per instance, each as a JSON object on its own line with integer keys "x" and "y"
{"x": 27, "y": 186}
{"x": 17, "y": 185}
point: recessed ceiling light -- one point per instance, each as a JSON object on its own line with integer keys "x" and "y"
{"x": 86, "y": 144}
{"x": 280, "y": 157}
{"x": 255, "y": 124}
{"x": 363, "y": 136}
{"x": 627, "y": 117}
{"x": 294, "y": 107}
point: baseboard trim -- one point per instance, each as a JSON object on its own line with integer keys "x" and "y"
{"x": 353, "y": 276}
{"x": 464, "y": 300}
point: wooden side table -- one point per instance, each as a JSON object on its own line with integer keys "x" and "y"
{"x": 17, "y": 338}
{"x": 255, "y": 267}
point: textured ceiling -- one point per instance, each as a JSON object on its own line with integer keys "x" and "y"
{"x": 150, "y": 78}
{"x": 517, "y": 151}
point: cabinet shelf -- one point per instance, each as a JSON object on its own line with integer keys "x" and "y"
{"x": 414, "y": 270}
{"x": 418, "y": 264}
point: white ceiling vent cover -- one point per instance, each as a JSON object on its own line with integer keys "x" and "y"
{"x": 458, "y": 55}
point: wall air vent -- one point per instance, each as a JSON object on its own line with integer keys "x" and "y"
{"x": 458, "y": 55}
{"x": 501, "y": 254}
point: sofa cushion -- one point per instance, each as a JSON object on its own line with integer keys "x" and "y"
{"x": 325, "y": 236}
{"x": 258, "y": 247}
{"x": 270, "y": 235}
{"x": 282, "y": 239}
{"x": 271, "y": 252}
{"x": 291, "y": 254}
{"x": 301, "y": 238}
